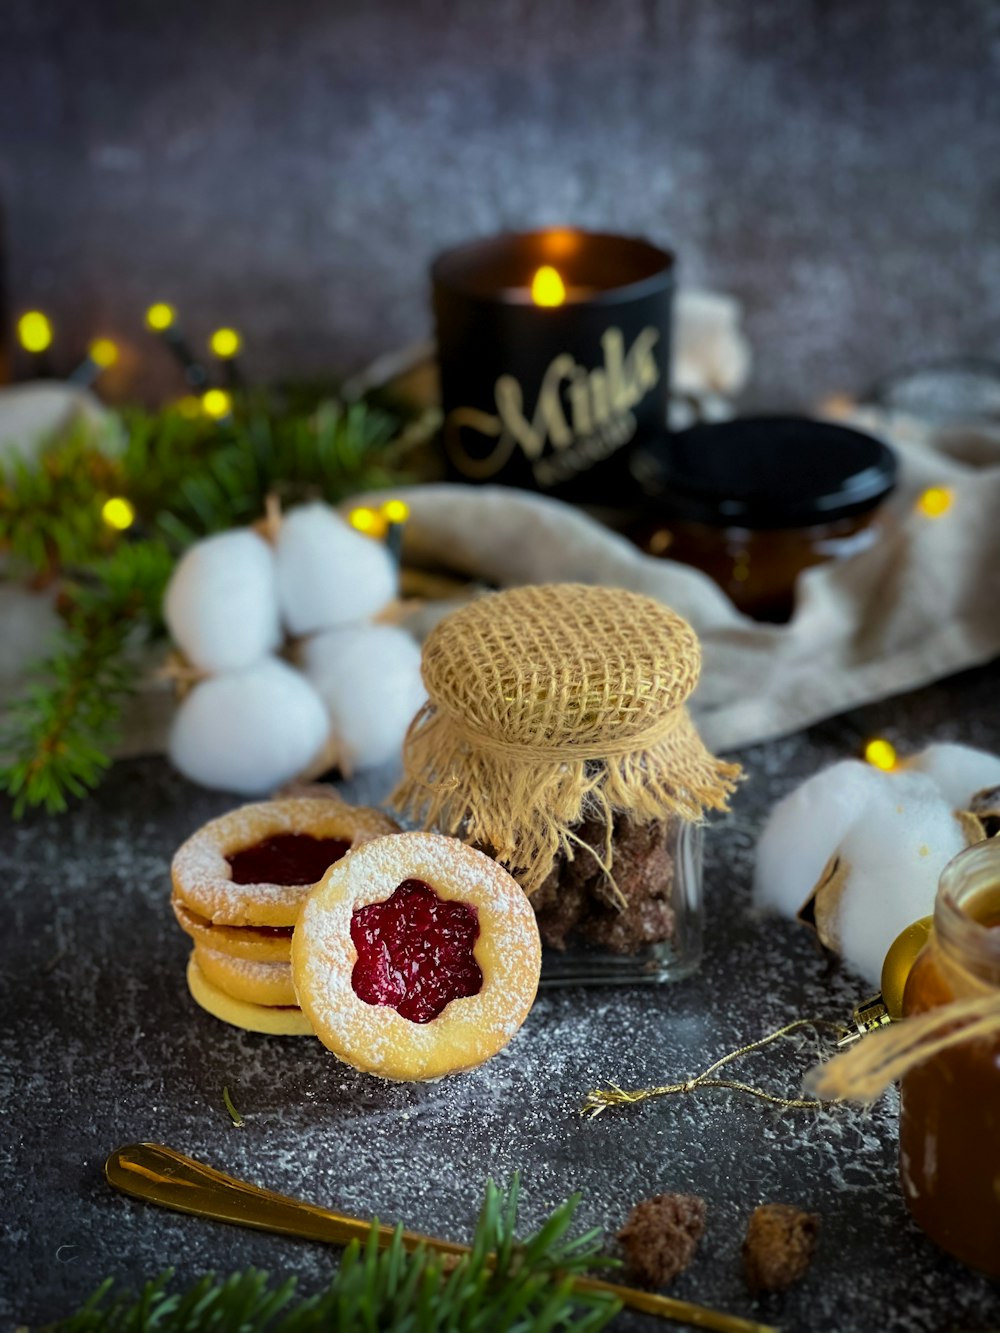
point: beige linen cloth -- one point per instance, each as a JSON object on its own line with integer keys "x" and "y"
{"x": 922, "y": 603}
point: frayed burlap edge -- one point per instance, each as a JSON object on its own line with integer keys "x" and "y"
{"x": 524, "y": 806}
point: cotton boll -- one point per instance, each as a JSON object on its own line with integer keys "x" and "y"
{"x": 328, "y": 574}
{"x": 804, "y": 829}
{"x": 369, "y": 679}
{"x": 892, "y": 855}
{"x": 249, "y": 731}
{"x": 959, "y": 771}
{"x": 221, "y": 605}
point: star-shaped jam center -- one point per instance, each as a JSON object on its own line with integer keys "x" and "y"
{"x": 415, "y": 952}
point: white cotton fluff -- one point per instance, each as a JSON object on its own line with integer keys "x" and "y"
{"x": 221, "y": 604}
{"x": 249, "y": 731}
{"x": 328, "y": 574}
{"x": 958, "y": 771}
{"x": 894, "y": 853}
{"x": 804, "y": 830}
{"x": 369, "y": 679}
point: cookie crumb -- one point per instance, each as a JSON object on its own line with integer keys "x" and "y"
{"x": 661, "y": 1235}
{"x": 779, "y": 1246}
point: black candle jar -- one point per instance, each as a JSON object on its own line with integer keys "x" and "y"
{"x": 544, "y": 391}
{"x": 755, "y": 501}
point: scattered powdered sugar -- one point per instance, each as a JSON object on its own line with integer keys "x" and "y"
{"x": 203, "y": 877}
{"x": 469, "y": 1030}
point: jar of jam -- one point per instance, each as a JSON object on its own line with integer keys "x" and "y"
{"x": 755, "y": 501}
{"x": 949, "y": 1128}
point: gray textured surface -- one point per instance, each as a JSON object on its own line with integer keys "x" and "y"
{"x": 101, "y": 1046}
{"x": 291, "y": 168}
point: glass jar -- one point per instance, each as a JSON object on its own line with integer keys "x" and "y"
{"x": 642, "y": 925}
{"x": 556, "y": 738}
{"x": 949, "y": 1127}
{"x": 755, "y": 501}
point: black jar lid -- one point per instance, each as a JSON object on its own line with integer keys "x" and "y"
{"x": 768, "y": 472}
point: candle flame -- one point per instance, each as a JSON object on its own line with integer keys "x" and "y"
{"x": 547, "y": 287}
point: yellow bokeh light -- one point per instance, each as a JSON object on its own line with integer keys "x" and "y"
{"x": 396, "y": 511}
{"x": 935, "y": 501}
{"x": 881, "y": 753}
{"x": 189, "y": 406}
{"x": 103, "y": 352}
{"x": 547, "y": 287}
{"x": 160, "y": 316}
{"x": 34, "y": 331}
{"x": 225, "y": 343}
{"x": 118, "y": 513}
{"x": 368, "y": 521}
{"x": 216, "y": 403}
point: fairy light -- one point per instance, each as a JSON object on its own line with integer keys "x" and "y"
{"x": 881, "y": 753}
{"x": 225, "y": 344}
{"x": 103, "y": 352}
{"x": 189, "y": 406}
{"x": 34, "y": 332}
{"x": 368, "y": 521}
{"x": 160, "y": 317}
{"x": 395, "y": 511}
{"x": 935, "y": 501}
{"x": 547, "y": 287}
{"x": 118, "y": 513}
{"x": 216, "y": 403}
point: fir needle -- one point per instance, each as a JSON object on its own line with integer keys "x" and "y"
{"x": 161, "y": 1175}
{"x": 235, "y": 1116}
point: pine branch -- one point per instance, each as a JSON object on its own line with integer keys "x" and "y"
{"x": 48, "y": 514}
{"x": 185, "y": 478}
{"x": 57, "y": 736}
{"x": 501, "y": 1286}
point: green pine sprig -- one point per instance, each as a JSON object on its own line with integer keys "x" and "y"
{"x": 501, "y": 1286}
{"x": 185, "y": 478}
{"x": 56, "y": 738}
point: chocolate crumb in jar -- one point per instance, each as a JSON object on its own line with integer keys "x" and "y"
{"x": 661, "y": 1235}
{"x": 577, "y": 901}
{"x": 779, "y": 1246}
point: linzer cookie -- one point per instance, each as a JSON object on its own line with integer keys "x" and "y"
{"x": 416, "y": 957}
{"x": 257, "y": 983}
{"x": 278, "y": 1020}
{"x": 255, "y": 865}
{"x": 257, "y": 944}
{"x": 239, "y": 884}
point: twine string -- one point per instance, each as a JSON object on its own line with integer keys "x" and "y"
{"x": 599, "y": 1099}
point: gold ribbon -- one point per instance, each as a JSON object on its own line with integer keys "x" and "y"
{"x": 600, "y": 1099}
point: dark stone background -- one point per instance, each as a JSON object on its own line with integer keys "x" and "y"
{"x": 291, "y": 167}
{"x": 101, "y": 1045}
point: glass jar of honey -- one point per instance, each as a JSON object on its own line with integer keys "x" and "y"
{"x": 756, "y": 500}
{"x": 949, "y": 1128}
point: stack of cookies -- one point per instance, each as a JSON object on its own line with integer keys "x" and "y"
{"x": 238, "y": 886}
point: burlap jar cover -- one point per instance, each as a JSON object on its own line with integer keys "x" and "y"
{"x": 550, "y": 704}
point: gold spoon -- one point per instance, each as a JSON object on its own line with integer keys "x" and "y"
{"x": 161, "y": 1175}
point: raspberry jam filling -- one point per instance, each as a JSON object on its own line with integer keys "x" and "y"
{"x": 287, "y": 858}
{"x": 415, "y": 952}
